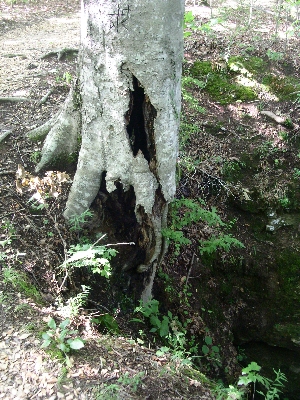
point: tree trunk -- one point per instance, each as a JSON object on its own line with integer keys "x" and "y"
{"x": 126, "y": 106}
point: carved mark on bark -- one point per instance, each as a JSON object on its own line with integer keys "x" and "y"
{"x": 140, "y": 124}
{"x": 119, "y": 17}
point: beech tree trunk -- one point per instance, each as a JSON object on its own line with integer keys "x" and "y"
{"x": 125, "y": 106}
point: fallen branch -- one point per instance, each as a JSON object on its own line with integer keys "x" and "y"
{"x": 60, "y": 53}
{"x": 280, "y": 120}
{"x": 9, "y": 55}
{"x": 14, "y": 99}
{"x": 4, "y": 135}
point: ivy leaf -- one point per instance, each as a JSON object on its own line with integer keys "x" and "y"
{"x": 205, "y": 350}
{"x": 164, "y": 329}
{"x": 52, "y": 323}
{"x": 76, "y": 344}
{"x": 253, "y": 366}
{"x": 46, "y": 336}
{"x": 208, "y": 340}
{"x": 64, "y": 323}
{"x": 63, "y": 347}
{"x": 46, "y": 343}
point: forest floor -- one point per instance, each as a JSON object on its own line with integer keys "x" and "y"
{"x": 34, "y": 240}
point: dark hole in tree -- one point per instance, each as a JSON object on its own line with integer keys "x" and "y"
{"x": 140, "y": 121}
{"x": 116, "y": 211}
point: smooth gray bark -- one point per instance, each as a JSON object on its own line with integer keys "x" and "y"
{"x": 130, "y": 93}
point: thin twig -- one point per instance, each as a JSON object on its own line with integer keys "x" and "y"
{"x": 190, "y": 269}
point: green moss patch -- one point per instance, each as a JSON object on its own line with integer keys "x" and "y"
{"x": 227, "y": 83}
{"x": 288, "y": 264}
{"x": 220, "y": 84}
{"x": 247, "y": 66}
{"x": 283, "y": 87}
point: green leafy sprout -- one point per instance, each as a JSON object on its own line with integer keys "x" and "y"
{"x": 193, "y": 212}
{"x": 61, "y": 337}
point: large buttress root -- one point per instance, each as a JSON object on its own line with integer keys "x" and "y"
{"x": 61, "y": 132}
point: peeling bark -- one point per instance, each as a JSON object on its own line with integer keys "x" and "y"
{"x": 130, "y": 89}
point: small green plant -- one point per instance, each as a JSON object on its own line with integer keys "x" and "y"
{"x": 274, "y": 55}
{"x": 35, "y": 156}
{"x": 271, "y": 389}
{"x": 185, "y": 212}
{"x": 19, "y": 281}
{"x": 3, "y": 298}
{"x": 190, "y": 82}
{"x": 132, "y": 381}
{"x": 74, "y": 304}
{"x": 123, "y": 388}
{"x": 76, "y": 222}
{"x": 62, "y": 338}
{"x": 7, "y": 232}
{"x": 67, "y": 77}
{"x": 96, "y": 258}
{"x": 284, "y": 202}
{"x": 210, "y": 351}
{"x": 188, "y": 24}
{"x": 232, "y": 169}
{"x": 283, "y": 135}
{"x": 296, "y": 173}
{"x": 171, "y": 331}
{"x": 107, "y": 322}
{"x": 168, "y": 282}
{"x": 266, "y": 149}
{"x": 223, "y": 241}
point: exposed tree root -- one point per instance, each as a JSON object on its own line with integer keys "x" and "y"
{"x": 276, "y": 118}
{"x": 14, "y": 99}
{"x": 45, "y": 98}
{"x": 4, "y": 135}
{"x": 9, "y": 55}
{"x": 61, "y": 133}
{"x": 60, "y": 53}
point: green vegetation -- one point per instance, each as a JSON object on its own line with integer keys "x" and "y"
{"x": 189, "y": 82}
{"x": 10, "y": 275}
{"x": 75, "y": 304}
{"x": 242, "y": 78}
{"x": 95, "y": 258}
{"x": 283, "y": 87}
{"x": 35, "y": 157}
{"x": 220, "y": 83}
{"x": 250, "y": 378}
{"x": 106, "y": 323}
{"x": 186, "y": 212}
{"x": 124, "y": 386}
{"x": 172, "y": 325}
{"x": 20, "y": 281}
{"x": 62, "y": 338}
{"x": 232, "y": 170}
{"x": 172, "y": 332}
{"x": 77, "y": 221}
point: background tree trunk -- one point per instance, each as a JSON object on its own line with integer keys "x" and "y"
{"x": 128, "y": 93}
